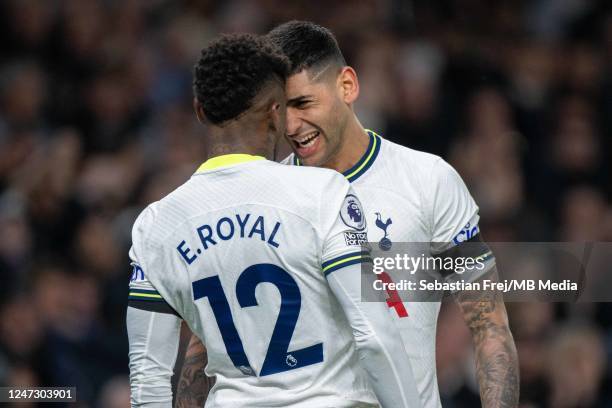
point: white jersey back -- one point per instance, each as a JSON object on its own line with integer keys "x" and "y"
{"x": 412, "y": 196}
{"x": 239, "y": 253}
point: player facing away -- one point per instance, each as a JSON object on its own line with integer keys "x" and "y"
{"x": 252, "y": 255}
{"x": 407, "y": 196}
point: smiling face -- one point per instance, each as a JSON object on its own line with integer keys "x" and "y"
{"x": 317, "y": 115}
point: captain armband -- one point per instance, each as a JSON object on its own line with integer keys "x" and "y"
{"x": 471, "y": 258}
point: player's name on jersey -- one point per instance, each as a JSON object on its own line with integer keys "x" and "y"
{"x": 236, "y": 226}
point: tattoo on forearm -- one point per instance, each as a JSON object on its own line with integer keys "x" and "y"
{"x": 496, "y": 357}
{"x": 193, "y": 385}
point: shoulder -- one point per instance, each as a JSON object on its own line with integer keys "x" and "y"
{"x": 161, "y": 217}
{"x": 416, "y": 161}
{"x": 306, "y": 180}
{"x": 330, "y": 177}
{"x": 144, "y": 225}
{"x": 312, "y": 192}
{"x": 427, "y": 174}
{"x": 412, "y": 168}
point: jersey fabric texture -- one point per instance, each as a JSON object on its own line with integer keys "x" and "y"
{"x": 413, "y": 196}
{"x": 241, "y": 253}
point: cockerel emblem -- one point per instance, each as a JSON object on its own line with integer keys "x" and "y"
{"x": 385, "y": 243}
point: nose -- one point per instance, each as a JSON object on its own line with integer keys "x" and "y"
{"x": 293, "y": 121}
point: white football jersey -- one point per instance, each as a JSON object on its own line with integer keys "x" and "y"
{"x": 241, "y": 252}
{"x": 412, "y": 196}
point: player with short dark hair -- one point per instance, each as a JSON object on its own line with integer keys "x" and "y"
{"x": 257, "y": 263}
{"x": 232, "y": 71}
{"x": 408, "y": 195}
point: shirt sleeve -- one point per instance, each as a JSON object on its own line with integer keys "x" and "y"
{"x": 142, "y": 294}
{"x": 153, "y": 329}
{"x": 452, "y": 210}
{"x": 377, "y": 340}
{"x": 153, "y": 347}
{"x": 346, "y": 241}
{"x": 455, "y": 229}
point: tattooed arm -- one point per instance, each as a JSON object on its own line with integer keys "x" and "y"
{"x": 193, "y": 384}
{"x": 496, "y": 358}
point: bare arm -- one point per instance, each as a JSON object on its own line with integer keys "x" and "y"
{"x": 193, "y": 384}
{"x": 496, "y": 359}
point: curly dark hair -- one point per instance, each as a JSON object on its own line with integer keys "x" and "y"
{"x": 306, "y": 44}
{"x": 232, "y": 70}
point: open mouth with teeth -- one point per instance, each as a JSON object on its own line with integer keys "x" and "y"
{"x": 307, "y": 144}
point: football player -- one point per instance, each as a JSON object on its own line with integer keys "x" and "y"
{"x": 408, "y": 196}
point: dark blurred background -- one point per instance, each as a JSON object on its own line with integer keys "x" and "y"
{"x": 96, "y": 122}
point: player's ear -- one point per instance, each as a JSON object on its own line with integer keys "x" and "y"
{"x": 199, "y": 111}
{"x": 349, "y": 85}
{"x": 277, "y": 106}
{"x": 278, "y": 115}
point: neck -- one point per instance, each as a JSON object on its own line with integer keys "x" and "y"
{"x": 355, "y": 141}
{"x": 236, "y": 138}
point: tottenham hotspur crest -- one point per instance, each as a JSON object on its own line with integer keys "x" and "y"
{"x": 352, "y": 213}
{"x": 385, "y": 243}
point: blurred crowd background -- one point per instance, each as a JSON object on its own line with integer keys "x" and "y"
{"x": 96, "y": 122}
